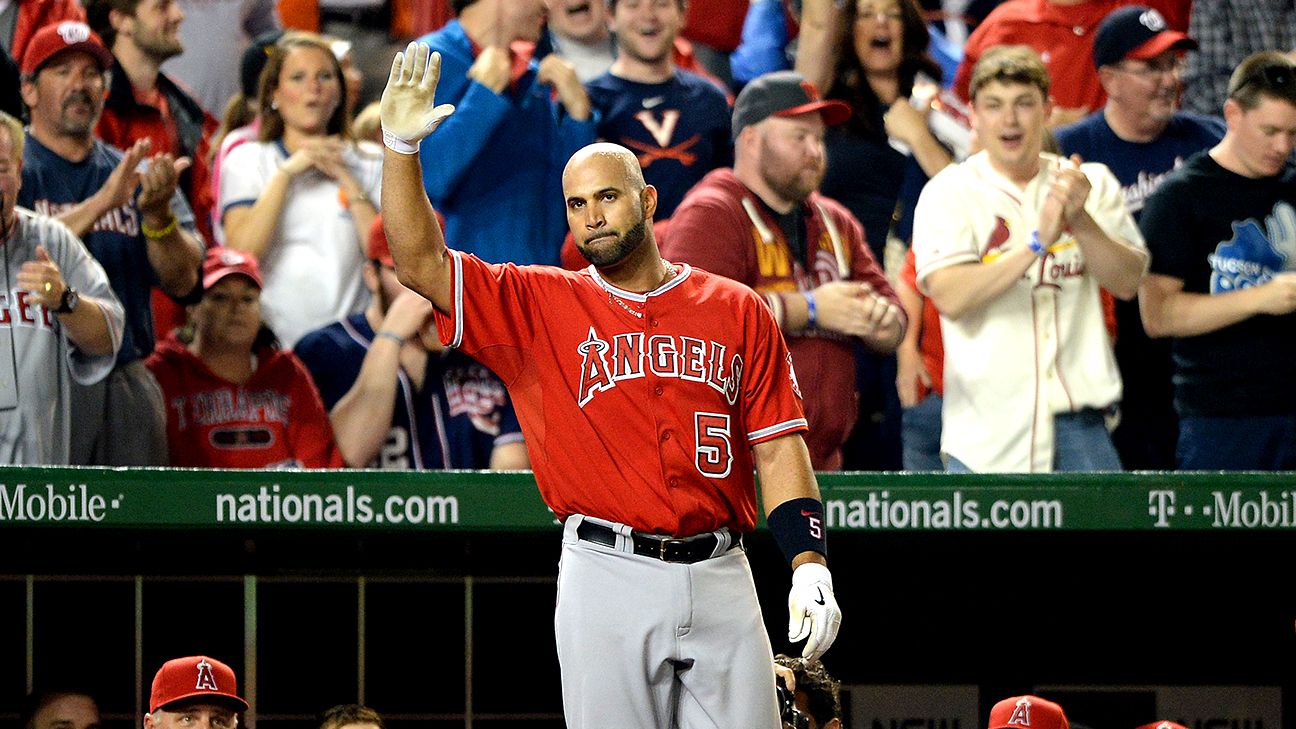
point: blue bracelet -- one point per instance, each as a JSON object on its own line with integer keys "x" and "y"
{"x": 1034, "y": 244}
{"x": 400, "y": 341}
{"x": 811, "y": 316}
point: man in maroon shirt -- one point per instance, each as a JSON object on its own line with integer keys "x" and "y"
{"x": 763, "y": 224}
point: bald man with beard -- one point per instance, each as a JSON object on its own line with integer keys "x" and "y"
{"x": 648, "y": 392}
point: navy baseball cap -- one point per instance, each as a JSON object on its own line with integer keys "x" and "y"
{"x": 783, "y": 93}
{"x": 1136, "y": 32}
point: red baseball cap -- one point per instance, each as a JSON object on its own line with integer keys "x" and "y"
{"x": 222, "y": 262}
{"x": 378, "y": 250}
{"x": 195, "y": 677}
{"x": 1027, "y": 712}
{"x": 57, "y": 38}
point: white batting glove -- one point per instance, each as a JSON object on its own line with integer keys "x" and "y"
{"x": 407, "y": 110}
{"x": 812, "y": 610}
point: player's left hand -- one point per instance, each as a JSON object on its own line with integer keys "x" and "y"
{"x": 812, "y": 610}
{"x": 43, "y": 279}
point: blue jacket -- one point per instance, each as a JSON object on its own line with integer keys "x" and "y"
{"x": 494, "y": 168}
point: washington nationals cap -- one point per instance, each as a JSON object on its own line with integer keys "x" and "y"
{"x": 1027, "y": 712}
{"x": 1136, "y": 32}
{"x": 783, "y": 93}
{"x": 222, "y": 262}
{"x": 57, "y": 38}
{"x": 195, "y": 677}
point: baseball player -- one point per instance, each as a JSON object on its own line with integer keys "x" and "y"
{"x": 194, "y": 691}
{"x": 1012, "y": 246}
{"x": 59, "y": 321}
{"x": 647, "y": 392}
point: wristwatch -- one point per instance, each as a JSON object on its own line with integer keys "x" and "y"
{"x": 69, "y": 302}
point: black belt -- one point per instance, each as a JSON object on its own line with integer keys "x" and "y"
{"x": 667, "y": 549}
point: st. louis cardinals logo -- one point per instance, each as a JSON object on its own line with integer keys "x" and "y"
{"x": 206, "y": 680}
{"x": 1021, "y": 714}
{"x": 634, "y": 355}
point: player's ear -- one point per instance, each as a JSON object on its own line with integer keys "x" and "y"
{"x": 833, "y": 724}
{"x": 648, "y": 198}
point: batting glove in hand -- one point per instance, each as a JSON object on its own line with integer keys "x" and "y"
{"x": 812, "y": 610}
{"x": 407, "y": 111}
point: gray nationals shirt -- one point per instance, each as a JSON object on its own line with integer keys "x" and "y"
{"x": 37, "y": 362}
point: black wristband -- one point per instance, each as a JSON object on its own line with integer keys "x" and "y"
{"x": 798, "y": 526}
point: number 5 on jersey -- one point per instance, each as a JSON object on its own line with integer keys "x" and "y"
{"x": 714, "y": 444}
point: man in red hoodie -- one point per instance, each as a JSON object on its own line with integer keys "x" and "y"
{"x": 763, "y": 224}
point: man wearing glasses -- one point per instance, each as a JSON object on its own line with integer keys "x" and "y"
{"x": 1222, "y": 232}
{"x": 1141, "y": 136}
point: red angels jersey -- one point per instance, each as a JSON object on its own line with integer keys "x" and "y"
{"x": 637, "y": 408}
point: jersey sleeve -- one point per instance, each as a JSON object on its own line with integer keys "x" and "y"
{"x": 494, "y": 312}
{"x": 311, "y": 434}
{"x": 82, "y": 272}
{"x": 771, "y": 395}
{"x": 241, "y": 181}
{"x": 942, "y": 234}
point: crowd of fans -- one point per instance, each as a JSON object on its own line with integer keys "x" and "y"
{"x": 998, "y": 245}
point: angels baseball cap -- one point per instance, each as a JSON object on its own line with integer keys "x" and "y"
{"x": 222, "y": 262}
{"x": 783, "y": 93}
{"x": 1136, "y": 32}
{"x": 58, "y": 38}
{"x": 195, "y": 677}
{"x": 1027, "y": 712}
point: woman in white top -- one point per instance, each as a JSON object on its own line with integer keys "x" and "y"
{"x": 302, "y": 197}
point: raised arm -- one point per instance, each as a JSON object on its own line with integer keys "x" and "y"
{"x": 409, "y": 115}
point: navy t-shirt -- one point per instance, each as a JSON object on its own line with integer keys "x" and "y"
{"x": 679, "y": 129}
{"x": 1218, "y": 232}
{"x": 1140, "y": 166}
{"x": 51, "y": 185}
{"x": 454, "y": 421}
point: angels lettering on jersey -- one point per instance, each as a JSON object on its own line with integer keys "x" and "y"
{"x": 1254, "y": 254}
{"x": 631, "y": 355}
{"x": 16, "y": 310}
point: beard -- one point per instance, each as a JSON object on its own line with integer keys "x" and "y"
{"x": 610, "y": 254}
{"x": 158, "y": 47}
{"x": 71, "y": 125}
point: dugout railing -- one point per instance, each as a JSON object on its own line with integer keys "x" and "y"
{"x": 429, "y": 595}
